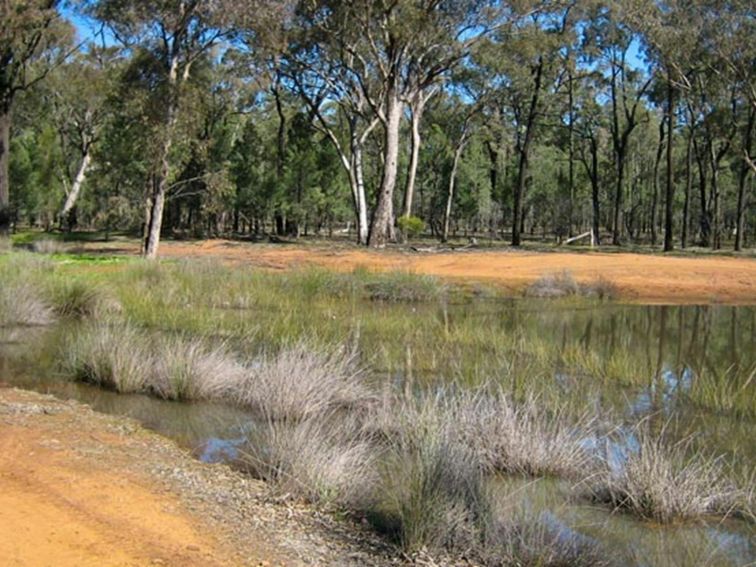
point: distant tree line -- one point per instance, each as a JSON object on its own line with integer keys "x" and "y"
{"x": 524, "y": 119}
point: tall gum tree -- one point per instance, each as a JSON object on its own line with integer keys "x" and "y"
{"x": 175, "y": 34}
{"x": 393, "y": 51}
{"x": 32, "y": 34}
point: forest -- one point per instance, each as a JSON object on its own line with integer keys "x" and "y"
{"x": 384, "y": 120}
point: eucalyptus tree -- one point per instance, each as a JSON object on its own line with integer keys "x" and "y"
{"x": 612, "y": 39}
{"x": 592, "y": 133}
{"x": 170, "y": 35}
{"x": 391, "y": 51}
{"x": 77, "y": 94}
{"x": 522, "y": 62}
{"x": 33, "y": 39}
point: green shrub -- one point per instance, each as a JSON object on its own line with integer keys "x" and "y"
{"x": 411, "y": 227}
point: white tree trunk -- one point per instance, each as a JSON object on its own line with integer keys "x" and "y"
{"x": 73, "y": 195}
{"x": 382, "y": 227}
{"x": 450, "y": 193}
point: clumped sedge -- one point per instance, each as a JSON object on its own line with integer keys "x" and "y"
{"x": 665, "y": 483}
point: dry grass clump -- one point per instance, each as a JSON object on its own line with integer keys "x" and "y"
{"x": 528, "y": 541}
{"x": 302, "y": 381}
{"x": 520, "y": 437}
{"x": 23, "y": 304}
{"x": 600, "y": 288}
{"x": 22, "y": 301}
{"x": 563, "y": 284}
{"x": 664, "y": 483}
{"x": 324, "y": 458}
{"x": 113, "y": 357}
{"x": 77, "y": 299}
{"x": 560, "y": 284}
{"x": 189, "y": 369}
{"x": 431, "y": 492}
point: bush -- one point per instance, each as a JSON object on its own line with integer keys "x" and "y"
{"x": 411, "y": 227}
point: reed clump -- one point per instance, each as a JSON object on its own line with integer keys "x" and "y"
{"x": 564, "y": 284}
{"x": 115, "y": 357}
{"x": 324, "y": 459}
{"x": 23, "y": 304}
{"x": 522, "y": 437}
{"x": 664, "y": 483}
{"x": 303, "y": 380}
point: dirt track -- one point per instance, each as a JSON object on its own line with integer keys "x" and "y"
{"x": 638, "y": 277}
{"x": 79, "y": 489}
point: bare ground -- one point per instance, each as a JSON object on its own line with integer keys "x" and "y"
{"x": 78, "y": 488}
{"x": 643, "y": 278}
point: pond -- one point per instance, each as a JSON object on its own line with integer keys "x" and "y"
{"x": 688, "y": 370}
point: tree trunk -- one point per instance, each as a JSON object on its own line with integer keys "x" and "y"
{"x": 81, "y": 175}
{"x": 381, "y": 229}
{"x": 417, "y": 114}
{"x": 616, "y": 228}
{"x": 688, "y": 189}
{"x": 595, "y": 191}
{"x": 450, "y": 194}
{"x": 571, "y": 156}
{"x": 493, "y": 168}
{"x": 655, "y": 194}
{"x": 5, "y": 212}
{"x": 705, "y": 219}
{"x": 355, "y": 171}
{"x": 716, "y": 229}
{"x": 161, "y": 188}
{"x": 668, "y": 220}
{"x": 744, "y": 170}
{"x": 522, "y": 171}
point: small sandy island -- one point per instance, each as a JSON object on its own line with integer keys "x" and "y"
{"x": 79, "y": 488}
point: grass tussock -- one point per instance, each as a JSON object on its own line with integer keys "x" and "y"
{"x": 524, "y": 437}
{"x": 23, "y": 304}
{"x": 302, "y": 381}
{"x": 431, "y": 493}
{"x": 189, "y": 369}
{"x": 80, "y": 300}
{"x": 113, "y": 357}
{"x": 324, "y": 459}
{"x": 564, "y": 284}
{"x": 22, "y": 298}
{"x": 665, "y": 483}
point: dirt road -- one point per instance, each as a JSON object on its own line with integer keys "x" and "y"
{"x": 78, "y": 488}
{"x": 638, "y": 277}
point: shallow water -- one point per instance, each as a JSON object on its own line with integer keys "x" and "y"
{"x": 688, "y": 370}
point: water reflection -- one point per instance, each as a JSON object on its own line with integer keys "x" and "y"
{"x": 686, "y": 370}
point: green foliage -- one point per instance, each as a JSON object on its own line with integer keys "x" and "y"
{"x": 411, "y": 226}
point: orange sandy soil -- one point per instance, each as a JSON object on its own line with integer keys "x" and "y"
{"x": 80, "y": 488}
{"x": 638, "y": 277}
{"x": 64, "y": 501}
